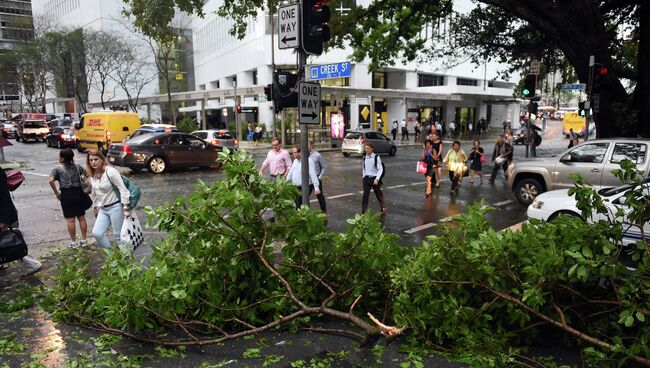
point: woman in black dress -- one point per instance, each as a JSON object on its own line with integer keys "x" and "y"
{"x": 437, "y": 159}
{"x": 428, "y": 153}
{"x": 476, "y": 165}
{"x": 74, "y": 202}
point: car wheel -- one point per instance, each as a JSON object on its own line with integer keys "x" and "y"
{"x": 527, "y": 189}
{"x": 393, "y": 151}
{"x": 346, "y": 154}
{"x": 563, "y": 213}
{"x": 47, "y": 142}
{"x": 157, "y": 165}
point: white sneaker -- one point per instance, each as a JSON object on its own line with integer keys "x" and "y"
{"x": 30, "y": 266}
{"x": 82, "y": 243}
{"x": 72, "y": 244}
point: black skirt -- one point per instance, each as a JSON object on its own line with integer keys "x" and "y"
{"x": 74, "y": 202}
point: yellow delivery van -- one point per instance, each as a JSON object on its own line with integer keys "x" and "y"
{"x": 573, "y": 120}
{"x": 97, "y": 129}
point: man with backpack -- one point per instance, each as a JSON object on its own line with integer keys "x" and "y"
{"x": 535, "y": 140}
{"x": 372, "y": 172}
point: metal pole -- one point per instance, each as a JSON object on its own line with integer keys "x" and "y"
{"x": 592, "y": 62}
{"x": 237, "y": 129}
{"x": 273, "y": 74}
{"x": 304, "y": 136}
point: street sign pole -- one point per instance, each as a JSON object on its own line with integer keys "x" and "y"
{"x": 304, "y": 135}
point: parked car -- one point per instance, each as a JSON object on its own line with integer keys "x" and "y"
{"x": 594, "y": 160}
{"x": 519, "y": 137}
{"x": 550, "y": 205}
{"x": 31, "y": 129}
{"x": 8, "y": 130}
{"x": 61, "y": 137}
{"x": 153, "y": 128}
{"x": 59, "y": 122}
{"x": 219, "y": 138}
{"x": 355, "y": 141}
{"x": 160, "y": 151}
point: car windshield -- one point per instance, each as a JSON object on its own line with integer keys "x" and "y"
{"x": 35, "y": 124}
{"x": 353, "y": 136}
{"x": 69, "y": 131}
{"x": 608, "y": 192}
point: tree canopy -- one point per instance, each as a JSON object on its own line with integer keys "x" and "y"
{"x": 559, "y": 32}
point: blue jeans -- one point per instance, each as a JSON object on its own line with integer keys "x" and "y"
{"x": 111, "y": 216}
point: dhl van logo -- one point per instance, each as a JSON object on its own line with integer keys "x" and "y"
{"x": 94, "y": 122}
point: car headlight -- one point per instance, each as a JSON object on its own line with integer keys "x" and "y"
{"x": 537, "y": 204}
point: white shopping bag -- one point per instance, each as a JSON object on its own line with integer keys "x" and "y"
{"x": 131, "y": 234}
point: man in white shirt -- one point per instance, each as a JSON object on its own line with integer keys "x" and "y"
{"x": 320, "y": 166}
{"x": 405, "y": 131}
{"x": 372, "y": 172}
{"x": 295, "y": 176}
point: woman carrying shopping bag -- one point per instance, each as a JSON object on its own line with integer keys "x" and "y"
{"x": 109, "y": 209}
{"x": 71, "y": 194}
{"x": 456, "y": 167}
{"x": 427, "y": 157}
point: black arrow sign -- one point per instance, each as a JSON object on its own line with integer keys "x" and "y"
{"x": 313, "y": 115}
{"x": 285, "y": 39}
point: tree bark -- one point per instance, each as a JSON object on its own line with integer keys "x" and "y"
{"x": 578, "y": 28}
{"x": 642, "y": 93}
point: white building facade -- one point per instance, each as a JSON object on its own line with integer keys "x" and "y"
{"x": 463, "y": 93}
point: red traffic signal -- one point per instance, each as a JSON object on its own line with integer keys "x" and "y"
{"x": 238, "y": 108}
{"x": 603, "y": 71}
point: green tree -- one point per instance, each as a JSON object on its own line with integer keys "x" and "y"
{"x": 615, "y": 31}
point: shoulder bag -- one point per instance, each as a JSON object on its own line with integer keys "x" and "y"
{"x": 86, "y": 186}
{"x": 14, "y": 179}
{"x": 12, "y": 245}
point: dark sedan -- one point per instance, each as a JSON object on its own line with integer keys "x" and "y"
{"x": 160, "y": 151}
{"x": 8, "y": 130}
{"x": 61, "y": 137}
{"x": 519, "y": 136}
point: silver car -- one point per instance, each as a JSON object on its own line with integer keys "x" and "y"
{"x": 355, "y": 141}
{"x": 220, "y": 138}
{"x": 594, "y": 160}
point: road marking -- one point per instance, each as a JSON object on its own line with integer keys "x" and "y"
{"x": 420, "y": 228}
{"x": 341, "y": 195}
{"x": 449, "y": 218}
{"x": 35, "y": 174}
{"x": 503, "y": 203}
{"x": 419, "y": 183}
{"x": 397, "y": 186}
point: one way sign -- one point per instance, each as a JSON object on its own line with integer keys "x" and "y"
{"x": 309, "y": 102}
{"x": 288, "y": 27}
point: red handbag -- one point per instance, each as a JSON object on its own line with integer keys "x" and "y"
{"x": 422, "y": 167}
{"x": 14, "y": 179}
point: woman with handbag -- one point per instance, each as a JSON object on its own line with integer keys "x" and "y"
{"x": 477, "y": 158}
{"x": 72, "y": 194}
{"x": 9, "y": 220}
{"x": 456, "y": 167}
{"x": 436, "y": 144}
{"x": 427, "y": 156}
{"x": 109, "y": 208}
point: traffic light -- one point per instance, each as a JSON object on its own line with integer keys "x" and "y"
{"x": 529, "y": 86}
{"x": 268, "y": 92}
{"x": 600, "y": 72}
{"x": 238, "y": 107}
{"x": 315, "y": 30}
{"x": 285, "y": 89}
{"x": 581, "y": 108}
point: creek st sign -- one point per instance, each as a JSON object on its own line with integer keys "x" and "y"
{"x": 328, "y": 71}
{"x": 288, "y": 27}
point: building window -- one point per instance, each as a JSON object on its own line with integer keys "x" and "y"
{"x": 429, "y": 80}
{"x": 336, "y": 82}
{"x": 255, "y": 77}
{"x": 466, "y": 82}
{"x": 379, "y": 80}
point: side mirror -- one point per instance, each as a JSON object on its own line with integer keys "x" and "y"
{"x": 566, "y": 158}
{"x": 75, "y": 125}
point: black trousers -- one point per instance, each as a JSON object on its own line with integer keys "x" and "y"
{"x": 321, "y": 196}
{"x": 454, "y": 179}
{"x": 495, "y": 170}
{"x": 368, "y": 183}
{"x": 299, "y": 197}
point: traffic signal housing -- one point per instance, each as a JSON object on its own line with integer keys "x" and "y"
{"x": 268, "y": 92}
{"x": 530, "y": 84}
{"x": 581, "y": 108}
{"x": 238, "y": 108}
{"x": 314, "y": 29}
{"x": 285, "y": 90}
{"x": 600, "y": 73}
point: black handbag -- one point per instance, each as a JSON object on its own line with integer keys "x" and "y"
{"x": 12, "y": 245}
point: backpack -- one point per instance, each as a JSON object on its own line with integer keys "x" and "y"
{"x": 538, "y": 140}
{"x": 134, "y": 191}
{"x": 383, "y": 167}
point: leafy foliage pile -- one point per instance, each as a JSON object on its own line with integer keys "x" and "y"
{"x": 226, "y": 270}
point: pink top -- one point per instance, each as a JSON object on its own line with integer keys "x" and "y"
{"x": 278, "y": 162}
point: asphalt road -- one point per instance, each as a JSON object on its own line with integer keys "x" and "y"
{"x": 409, "y": 214}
